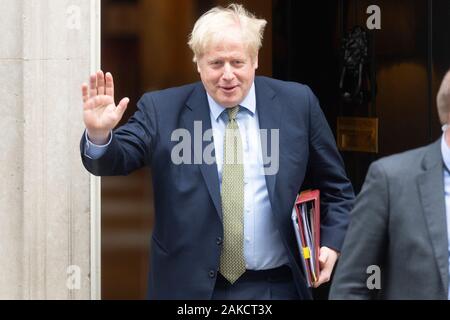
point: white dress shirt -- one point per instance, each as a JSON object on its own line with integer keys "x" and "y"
{"x": 263, "y": 247}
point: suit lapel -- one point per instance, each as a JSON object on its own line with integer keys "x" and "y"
{"x": 431, "y": 186}
{"x": 269, "y": 114}
{"x": 198, "y": 111}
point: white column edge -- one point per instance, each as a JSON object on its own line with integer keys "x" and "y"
{"x": 95, "y": 182}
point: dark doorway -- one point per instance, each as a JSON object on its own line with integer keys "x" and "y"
{"x": 409, "y": 54}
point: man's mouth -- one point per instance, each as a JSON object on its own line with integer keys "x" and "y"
{"x": 228, "y": 89}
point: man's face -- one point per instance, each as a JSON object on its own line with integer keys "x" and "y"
{"x": 227, "y": 70}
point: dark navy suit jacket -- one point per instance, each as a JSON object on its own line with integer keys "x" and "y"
{"x": 186, "y": 241}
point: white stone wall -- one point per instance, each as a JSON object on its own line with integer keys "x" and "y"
{"x": 47, "y": 49}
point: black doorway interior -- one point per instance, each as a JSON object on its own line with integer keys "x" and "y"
{"x": 410, "y": 55}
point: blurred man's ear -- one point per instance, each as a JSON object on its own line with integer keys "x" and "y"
{"x": 198, "y": 66}
{"x": 255, "y": 62}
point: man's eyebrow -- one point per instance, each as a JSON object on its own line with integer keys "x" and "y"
{"x": 227, "y": 58}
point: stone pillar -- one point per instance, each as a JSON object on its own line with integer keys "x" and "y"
{"x": 49, "y": 231}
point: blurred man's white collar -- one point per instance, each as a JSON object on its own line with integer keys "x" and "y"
{"x": 445, "y": 134}
{"x": 445, "y": 146}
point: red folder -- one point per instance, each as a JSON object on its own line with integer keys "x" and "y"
{"x": 306, "y": 222}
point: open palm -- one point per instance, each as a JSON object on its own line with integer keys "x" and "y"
{"x": 100, "y": 113}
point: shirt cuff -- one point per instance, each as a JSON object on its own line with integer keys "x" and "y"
{"x": 94, "y": 151}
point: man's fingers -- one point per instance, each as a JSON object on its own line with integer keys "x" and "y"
{"x": 92, "y": 85}
{"x": 84, "y": 92}
{"x": 122, "y": 106}
{"x": 100, "y": 83}
{"x": 327, "y": 260}
{"x": 109, "y": 89}
{"x": 324, "y": 277}
{"x": 323, "y": 256}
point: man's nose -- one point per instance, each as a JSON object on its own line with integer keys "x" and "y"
{"x": 228, "y": 72}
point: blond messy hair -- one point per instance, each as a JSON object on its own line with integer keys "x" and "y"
{"x": 214, "y": 24}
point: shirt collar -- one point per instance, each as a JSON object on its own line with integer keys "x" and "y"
{"x": 445, "y": 149}
{"x": 248, "y": 103}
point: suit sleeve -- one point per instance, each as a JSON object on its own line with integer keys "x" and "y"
{"x": 366, "y": 239}
{"x": 131, "y": 145}
{"x": 326, "y": 172}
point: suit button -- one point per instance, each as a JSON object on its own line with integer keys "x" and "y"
{"x": 219, "y": 241}
{"x": 212, "y": 273}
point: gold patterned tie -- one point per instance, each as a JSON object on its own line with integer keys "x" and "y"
{"x": 232, "y": 262}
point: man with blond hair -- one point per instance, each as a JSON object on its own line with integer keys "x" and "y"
{"x": 397, "y": 245}
{"x": 229, "y": 155}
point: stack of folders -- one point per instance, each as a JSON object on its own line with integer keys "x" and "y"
{"x": 306, "y": 221}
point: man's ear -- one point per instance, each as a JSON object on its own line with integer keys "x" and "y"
{"x": 198, "y": 67}
{"x": 255, "y": 62}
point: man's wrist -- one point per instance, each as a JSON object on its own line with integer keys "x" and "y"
{"x": 98, "y": 138}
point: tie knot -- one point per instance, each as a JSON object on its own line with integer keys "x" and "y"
{"x": 232, "y": 113}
